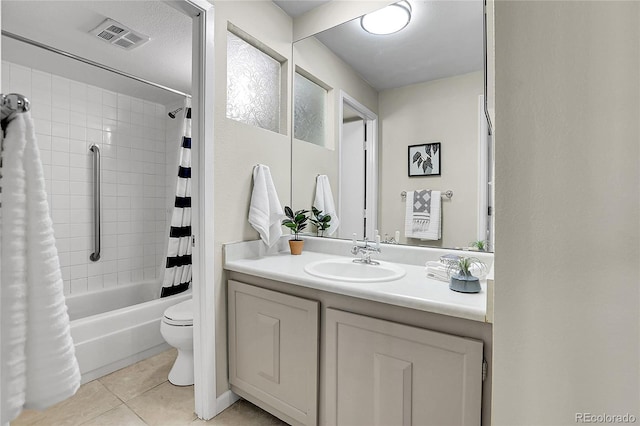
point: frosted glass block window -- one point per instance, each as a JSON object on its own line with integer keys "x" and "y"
{"x": 309, "y": 116}
{"x": 253, "y": 85}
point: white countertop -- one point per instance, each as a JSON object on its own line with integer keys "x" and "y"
{"x": 414, "y": 290}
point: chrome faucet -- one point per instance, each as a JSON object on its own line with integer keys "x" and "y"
{"x": 365, "y": 251}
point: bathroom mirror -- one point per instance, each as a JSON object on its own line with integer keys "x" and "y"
{"x": 366, "y": 106}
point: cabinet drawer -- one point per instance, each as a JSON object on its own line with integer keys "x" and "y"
{"x": 273, "y": 351}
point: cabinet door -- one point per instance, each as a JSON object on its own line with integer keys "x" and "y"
{"x": 273, "y": 351}
{"x": 383, "y": 373}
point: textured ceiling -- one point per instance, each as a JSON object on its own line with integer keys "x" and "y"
{"x": 443, "y": 39}
{"x": 295, "y": 8}
{"x": 166, "y": 59}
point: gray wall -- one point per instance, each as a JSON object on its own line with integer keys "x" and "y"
{"x": 445, "y": 111}
{"x": 566, "y": 329}
{"x": 239, "y": 147}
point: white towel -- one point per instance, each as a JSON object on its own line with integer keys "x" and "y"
{"x": 265, "y": 212}
{"x": 35, "y": 324}
{"x": 324, "y": 202}
{"x": 422, "y": 215}
{"x": 437, "y": 271}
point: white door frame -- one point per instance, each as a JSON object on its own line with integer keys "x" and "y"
{"x": 483, "y": 174}
{"x": 371, "y": 120}
{"x": 202, "y": 103}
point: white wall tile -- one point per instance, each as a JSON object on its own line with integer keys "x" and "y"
{"x": 20, "y": 80}
{"x": 109, "y": 98}
{"x": 70, "y": 116}
{"x": 59, "y": 144}
{"x": 60, "y": 129}
{"x": 44, "y": 141}
{"x": 110, "y": 280}
{"x": 95, "y": 283}
{"x": 79, "y": 271}
{"x": 77, "y": 132}
{"x": 43, "y": 126}
{"x": 79, "y": 285}
{"x": 60, "y": 158}
{"x": 59, "y": 115}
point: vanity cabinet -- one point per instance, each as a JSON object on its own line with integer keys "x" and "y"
{"x": 273, "y": 351}
{"x": 383, "y": 373}
{"x": 318, "y": 358}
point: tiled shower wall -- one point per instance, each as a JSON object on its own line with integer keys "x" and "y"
{"x": 70, "y": 116}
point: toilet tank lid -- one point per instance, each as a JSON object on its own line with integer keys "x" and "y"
{"x": 183, "y": 311}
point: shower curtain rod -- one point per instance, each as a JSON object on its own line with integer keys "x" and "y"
{"x": 90, "y": 62}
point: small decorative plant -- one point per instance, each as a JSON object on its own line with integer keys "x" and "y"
{"x": 462, "y": 280}
{"x": 480, "y": 245}
{"x": 321, "y": 221}
{"x": 297, "y": 222}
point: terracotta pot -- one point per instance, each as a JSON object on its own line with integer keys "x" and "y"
{"x": 296, "y": 246}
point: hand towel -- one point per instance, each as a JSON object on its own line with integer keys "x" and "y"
{"x": 422, "y": 215}
{"x": 35, "y": 324}
{"x": 324, "y": 202}
{"x": 265, "y": 212}
{"x": 437, "y": 271}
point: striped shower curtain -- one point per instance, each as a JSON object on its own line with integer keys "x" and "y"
{"x": 177, "y": 275}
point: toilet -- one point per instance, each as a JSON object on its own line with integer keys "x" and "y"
{"x": 177, "y": 330}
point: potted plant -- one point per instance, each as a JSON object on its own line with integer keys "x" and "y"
{"x": 296, "y": 222}
{"x": 461, "y": 279}
{"x": 321, "y": 221}
{"x": 480, "y": 245}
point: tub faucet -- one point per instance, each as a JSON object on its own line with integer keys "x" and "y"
{"x": 365, "y": 251}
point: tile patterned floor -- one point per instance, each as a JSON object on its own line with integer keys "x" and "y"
{"x": 140, "y": 395}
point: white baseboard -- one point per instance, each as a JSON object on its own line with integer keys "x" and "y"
{"x": 225, "y": 401}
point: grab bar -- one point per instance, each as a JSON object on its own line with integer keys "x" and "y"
{"x": 95, "y": 256}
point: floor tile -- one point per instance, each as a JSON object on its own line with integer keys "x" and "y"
{"x": 242, "y": 413}
{"x": 165, "y": 405}
{"x": 119, "y": 416}
{"x": 140, "y": 377}
{"x": 91, "y": 400}
{"x": 28, "y": 417}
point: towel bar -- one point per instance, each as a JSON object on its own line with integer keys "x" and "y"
{"x": 447, "y": 193}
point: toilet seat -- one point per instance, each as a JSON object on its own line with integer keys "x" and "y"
{"x": 180, "y": 315}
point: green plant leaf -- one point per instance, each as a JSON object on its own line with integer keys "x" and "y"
{"x": 288, "y": 212}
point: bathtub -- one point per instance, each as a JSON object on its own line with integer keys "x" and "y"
{"x": 116, "y": 327}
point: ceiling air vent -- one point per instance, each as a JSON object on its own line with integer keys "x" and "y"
{"x": 119, "y": 35}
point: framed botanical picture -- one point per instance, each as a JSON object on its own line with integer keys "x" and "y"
{"x": 424, "y": 159}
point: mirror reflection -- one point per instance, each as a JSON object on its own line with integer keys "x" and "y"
{"x": 396, "y": 123}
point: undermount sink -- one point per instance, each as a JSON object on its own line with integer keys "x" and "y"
{"x": 347, "y": 270}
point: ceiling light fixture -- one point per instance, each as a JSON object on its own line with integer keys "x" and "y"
{"x": 388, "y": 20}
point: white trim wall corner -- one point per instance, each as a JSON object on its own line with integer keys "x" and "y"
{"x": 202, "y": 13}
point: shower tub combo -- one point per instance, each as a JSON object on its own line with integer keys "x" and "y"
{"x": 116, "y": 327}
